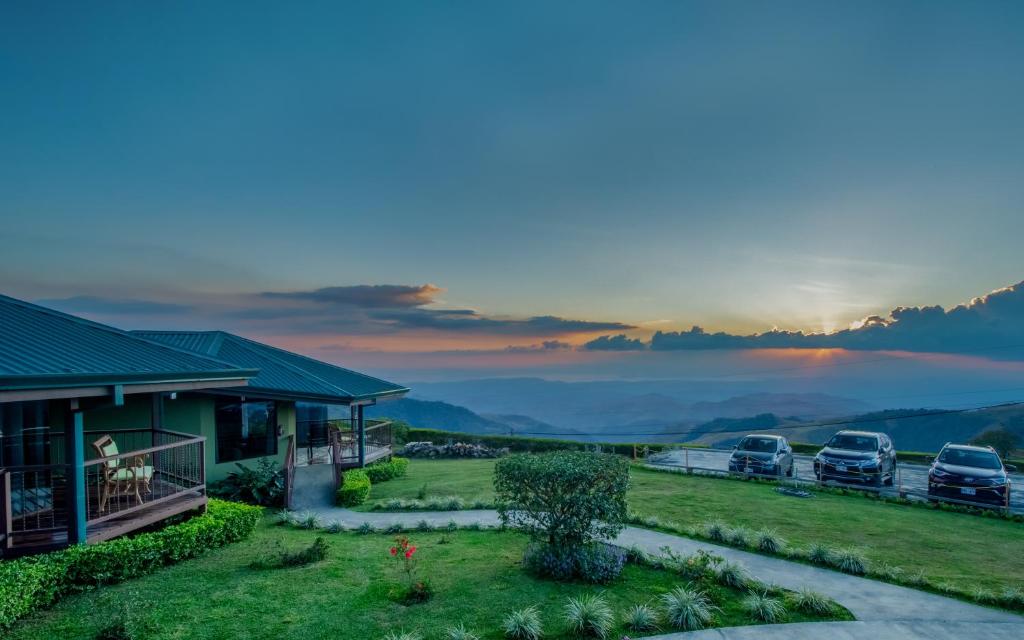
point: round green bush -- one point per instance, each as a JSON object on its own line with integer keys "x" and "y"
{"x": 354, "y": 489}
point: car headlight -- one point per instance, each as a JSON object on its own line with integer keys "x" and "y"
{"x": 939, "y": 473}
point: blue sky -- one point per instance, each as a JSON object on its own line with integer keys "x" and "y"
{"x": 558, "y": 170}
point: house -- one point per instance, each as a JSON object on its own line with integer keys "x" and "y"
{"x": 104, "y": 432}
{"x": 76, "y": 465}
{"x": 317, "y": 408}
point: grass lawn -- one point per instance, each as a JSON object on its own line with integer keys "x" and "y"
{"x": 476, "y": 577}
{"x": 964, "y": 550}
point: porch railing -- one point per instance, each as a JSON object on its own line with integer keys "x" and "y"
{"x": 152, "y": 466}
{"x": 345, "y": 444}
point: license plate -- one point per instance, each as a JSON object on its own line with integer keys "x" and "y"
{"x": 841, "y": 468}
{"x": 968, "y": 491}
{"x": 747, "y": 470}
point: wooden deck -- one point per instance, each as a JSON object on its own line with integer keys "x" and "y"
{"x": 149, "y": 514}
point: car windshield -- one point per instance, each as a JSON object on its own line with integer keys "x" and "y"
{"x": 969, "y": 458}
{"x": 852, "y": 442}
{"x": 763, "y": 445}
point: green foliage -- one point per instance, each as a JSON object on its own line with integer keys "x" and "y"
{"x": 595, "y": 562}
{"x": 819, "y": 553}
{"x": 768, "y": 541}
{"x": 523, "y": 624}
{"x": 589, "y": 615}
{"x": 354, "y": 489}
{"x": 1001, "y": 439}
{"x": 641, "y": 617}
{"x": 308, "y": 520}
{"x": 688, "y": 608}
{"x": 733, "y": 575}
{"x": 282, "y": 558}
{"x": 27, "y": 584}
{"x": 763, "y": 607}
{"x": 460, "y": 632}
{"x": 716, "y": 531}
{"x": 403, "y": 635}
{"x": 812, "y": 602}
{"x": 385, "y": 470}
{"x": 564, "y": 498}
{"x": 128, "y": 623}
{"x": 850, "y": 561}
{"x": 262, "y": 485}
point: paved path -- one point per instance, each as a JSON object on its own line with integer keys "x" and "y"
{"x": 883, "y": 610}
{"x": 912, "y": 476}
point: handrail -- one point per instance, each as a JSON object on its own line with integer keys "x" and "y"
{"x": 139, "y": 452}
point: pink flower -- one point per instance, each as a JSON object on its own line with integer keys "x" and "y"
{"x": 394, "y": 551}
{"x": 408, "y": 554}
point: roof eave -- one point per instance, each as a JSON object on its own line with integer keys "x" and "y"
{"x": 59, "y": 381}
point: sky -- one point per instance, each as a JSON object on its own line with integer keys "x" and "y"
{"x": 519, "y": 183}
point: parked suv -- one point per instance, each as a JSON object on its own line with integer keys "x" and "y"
{"x": 862, "y": 457}
{"x": 762, "y": 454}
{"x": 974, "y": 474}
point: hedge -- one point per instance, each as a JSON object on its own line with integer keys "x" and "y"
{"x": 534, "y": 445}
{"x": 31, "y": 583}
{"x": 386, "y": 470}
{"x": 354, "y": 489}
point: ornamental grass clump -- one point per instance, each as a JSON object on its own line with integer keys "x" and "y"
{"x": 733, "y": 575}
{"x": 764, "y": 608}
{"x": 739, "y": 536}
{"x": 768, "y": 541}
{"x": 589, "y": 615}
{"x": 688, "y": 608}
{"x": 641, "y": 617}
{"x": 812, "y": 602}
{"x": 850, "y": 561}
{"x": 309, "y": 520}
{"x": 716, "y": 531}
{"x": 523, "y": 624}
{"x": 819, "y": 553}
{"x": 459, "y": 632}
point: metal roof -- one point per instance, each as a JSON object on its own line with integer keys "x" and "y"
{"x": 43, "y": 348}
{"x": 281, "y": 373}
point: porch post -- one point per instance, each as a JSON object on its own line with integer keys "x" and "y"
{"x": 362, "y": 435}
{"x": 74, "y": 434}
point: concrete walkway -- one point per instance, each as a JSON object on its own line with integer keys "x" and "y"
{"x": 883, "y": 610}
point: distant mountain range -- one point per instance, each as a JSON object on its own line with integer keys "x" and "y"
{"x": 668, "y": 411}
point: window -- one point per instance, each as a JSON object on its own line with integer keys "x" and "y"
{"x": 245, "y": 429}
{"x": 310, "y": 424}
{"x": 25, "y": 434}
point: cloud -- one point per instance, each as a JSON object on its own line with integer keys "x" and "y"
{"x": 369, "y": 296}
{"x": 547, "y": 345}
{"x": 614, "y": 343}
{"x": 359, "y": 310}
{"x": 989, "y": 322}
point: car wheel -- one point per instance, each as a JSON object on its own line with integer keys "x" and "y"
{"x": 791, "y": 471}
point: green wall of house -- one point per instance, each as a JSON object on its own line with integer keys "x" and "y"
{"x": 189, "y": 413}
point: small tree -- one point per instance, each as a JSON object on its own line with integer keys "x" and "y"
{"x": 1001, "y": 439}
{"x": 566, "y": 499}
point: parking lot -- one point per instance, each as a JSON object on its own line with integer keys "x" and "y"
{"x": 912, "y": 477}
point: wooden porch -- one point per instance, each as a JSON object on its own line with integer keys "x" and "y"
{"x": 123, "y": 492}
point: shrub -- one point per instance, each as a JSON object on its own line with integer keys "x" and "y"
{"x": 523, "y": 624}
{"x": 819, "y": 554}
{"x": 589, "y": 615}
{"x": 565, "y": 498}
{"x": 641, "y": 618}
{"x": 812, "y": 602}
{"x": 383, "y": 471}
{"x": 733, "y": 575}
{"x": 688, "y": 608}
{"x": 365, "y": 529}
{"x": 697, "y": 566}
{"x": 596, "y": 562}
{"x": 850, "y": 561}
{"x": 763, "y": 607}
{"x": 716, "y": 531}
{"x": 354, "y": 489}
{"x": 334, "y": 527}
{"x": 308, "y": 520}
{"x": 262, "y": 485}
{"x": 739, "y": 536}
{"x": 768, "y": 541}
{"x": 300, "y": 558}
{"x": 460, "y": 633}
{"x": 27, "y": 584}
